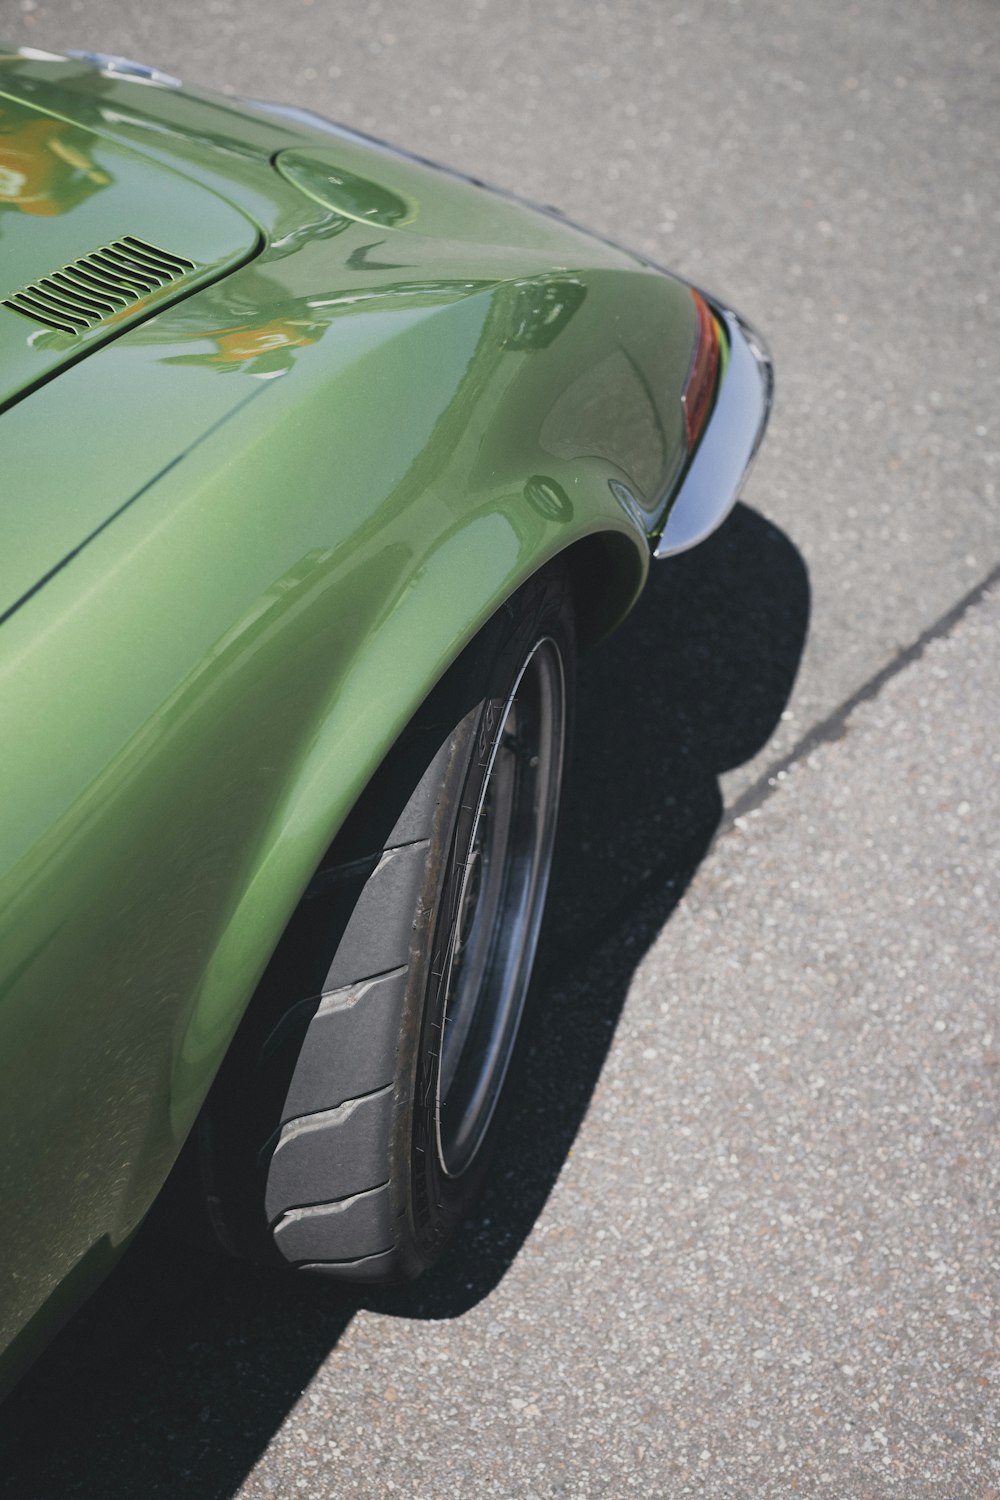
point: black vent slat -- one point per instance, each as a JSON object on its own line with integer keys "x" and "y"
{"x": 118, "y": 273}
{"x": 150, "y": 278}
{"x": 84, "y": 293}
{"x": 60, "y": 297}
{"x": 44, "y": 299}
{"x": 156, "y": 267}
{"x": 42, "y": 314}
{"x": 176, "y": 264}
{"x": 31, "y": 307}
{"x": 99, "y": 286}
{"x": 100, "y": 283}
{"x": 111, "y": 256}
{"x": 40, "y": 317}
{"x": 142, "y": 261}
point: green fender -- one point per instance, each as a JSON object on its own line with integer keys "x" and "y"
{"x": 251, "y": 533}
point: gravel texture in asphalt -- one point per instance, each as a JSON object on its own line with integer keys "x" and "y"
{"x": 771, "y": 1262}
{"x": 742, "y": 1236}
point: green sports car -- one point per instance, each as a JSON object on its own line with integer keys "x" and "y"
{"x": 320, "y": 463}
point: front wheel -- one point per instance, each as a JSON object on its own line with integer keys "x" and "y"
{"x": 355, "y": 1119}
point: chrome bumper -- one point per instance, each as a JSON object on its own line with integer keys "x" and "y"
{"x": 716, "y": 474}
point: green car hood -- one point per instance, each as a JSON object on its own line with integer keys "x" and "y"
{"x": 316, "y": 255}
{"x": 122, "y": 236}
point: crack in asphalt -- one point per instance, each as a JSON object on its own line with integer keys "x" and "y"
{"x": 829, "y": 729}
{"x": 835, "y": 725}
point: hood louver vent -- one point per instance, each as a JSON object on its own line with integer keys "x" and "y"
{"x": 92, "y": 290}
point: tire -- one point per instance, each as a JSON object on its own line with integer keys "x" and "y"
{"x": 354, "y": 1119}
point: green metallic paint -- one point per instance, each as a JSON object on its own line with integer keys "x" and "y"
{"x": 320, "y": 476}
{"x": 89, "y": 191}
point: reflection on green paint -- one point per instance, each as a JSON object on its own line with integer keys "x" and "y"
{"x": 344, "y": 191}
{"x": 47, "y": 165}
{"x": 253, "y": 583}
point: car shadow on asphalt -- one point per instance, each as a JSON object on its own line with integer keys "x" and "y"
{"x": 174, "y": 1379}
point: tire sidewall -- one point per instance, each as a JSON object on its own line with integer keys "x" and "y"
{"x": 430, "y": 1202}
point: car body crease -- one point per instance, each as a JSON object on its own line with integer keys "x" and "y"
{"x": 137, "y": 495}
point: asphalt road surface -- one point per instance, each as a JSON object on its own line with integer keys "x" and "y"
{"x": 742, "y": 1237}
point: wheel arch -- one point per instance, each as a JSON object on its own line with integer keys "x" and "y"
{"x": 607, "y": 573}
{"x": 607, "y": 569}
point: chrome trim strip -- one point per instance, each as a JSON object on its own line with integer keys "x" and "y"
{"x": 124, "y": 67}
{"x": 729, "y": 444}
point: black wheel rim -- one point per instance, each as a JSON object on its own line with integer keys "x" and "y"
{"x": 500, "y": 875}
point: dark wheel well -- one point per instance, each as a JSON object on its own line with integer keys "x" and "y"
{"x": 606, "y": 574}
